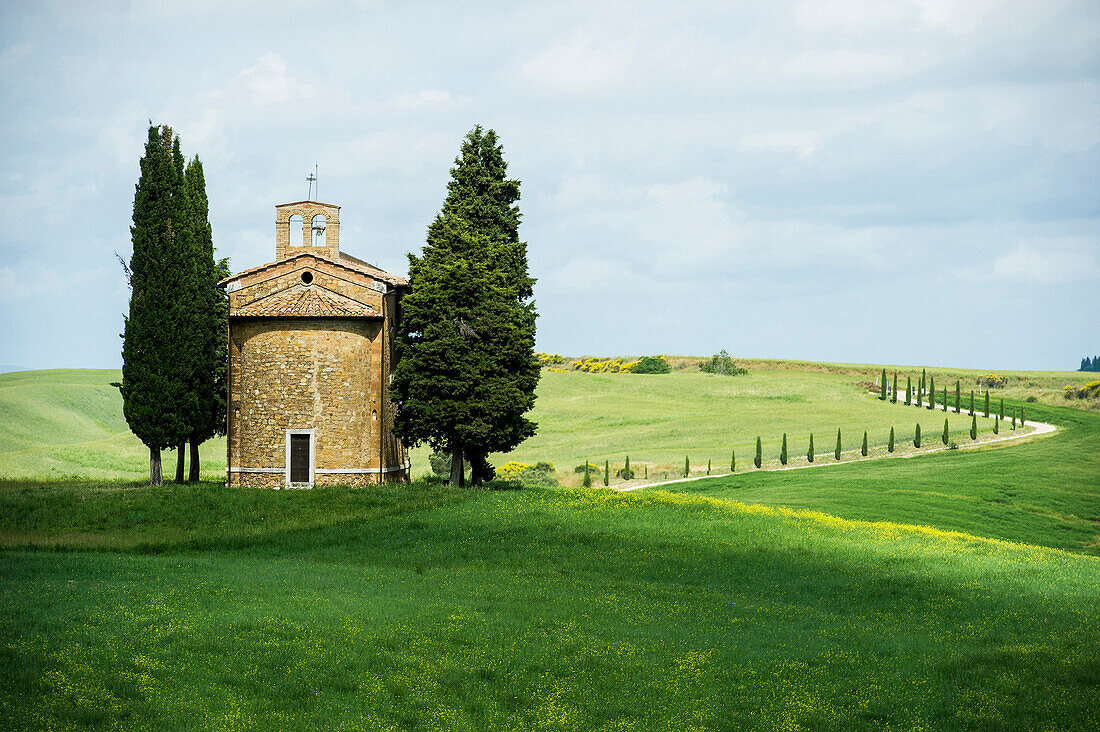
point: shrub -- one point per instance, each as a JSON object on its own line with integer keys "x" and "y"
{"x": 1031, "y": 399}
{"x": 916, "y": 437}
{"x": 759, "y": 453}
{"x": 863, "y": 450}
{"x": 652, "y": 365}
{"x": 836, "y": 452}
{"x": 511, "y": 470}
{"x": 992, "y": 381}
{"x": 604, "y": 366}
{"x": 810, "y": 450}
{"x": 721, "y": 363}
{"x": 783, "y": 450}
{"x": 890, "y": 447}
{"x": 441, "y": 464}
{"x": 953, "y": 445}
{"x": 973, "y": 426}
{"x": 541, "y": 473}
{"x": 946, "y": 434}
{"x": 549, "y": 359}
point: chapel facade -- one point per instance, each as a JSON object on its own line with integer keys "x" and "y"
{"x": 310, "y": 359}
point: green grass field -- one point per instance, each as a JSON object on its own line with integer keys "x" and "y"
{"x": 950, "y": 591}
{"x": 69, "y": 423}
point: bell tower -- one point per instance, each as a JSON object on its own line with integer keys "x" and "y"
{"x": 307, "y": 226}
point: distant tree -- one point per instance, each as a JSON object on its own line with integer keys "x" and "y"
{"x": 890, "y": 447}
{"x": 733, "y": 461}
{"x": 971, "y": 402}
{"x": 687, "y": 466}
{"x": 894, "y": 390}
{"x": 996, "y": 424}
{"x": 587, "y": 480}
{"x": 916, "y": 436}
{"x": 908, "y": 390}
{"x": 721, "y": 363}
{"x": 987, "y": 404}
{"x": 759, "y": 453}
{"x": 1021, "y": 415}
{"x": 810, "y": 450}
{"x": 836, "y": 453}
{"x": 920, "y": 393}
{"x": 1014, "y": 418}
{"x": 627, "y": 472}
{"x": 158, "y": 348}
{"x": 973, "y": 426}
{"x": 783, "y": 450}
{"x": 1001, "y": 410}
{"x": 932, "y": 393}
{"x": 708, "y": 466}
{"x": 946, "y": 434}
{"x": 882, "y": 388}
{"x": 606, "y": 472}
{"x": 646, "y": 468}
{"x": 958, "y": 397}
{"x": 863, "y": 450}
{"x": 944, "y": 401}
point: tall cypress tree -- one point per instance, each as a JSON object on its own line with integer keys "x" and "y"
{"x": 972, "y": 402}
{"x": 958, "y": 396}
{"x": 467, "y": 371}
{"x": 783, "y": 450}
{"x": 973, "y": 426}
{"x": 733, "y": 461}
{"x": 759, "y": 453}
{"x": 908, "y": 390}
{"x": 987, "y": 403}
{"x": 810, "y": 449}
{"x": 882, "y": 388}
{"x": 890, "y": 446}
{"x": 606, "y": 472}
{"x": 946, "y": 434}
{"x": 894, "y": 390}
{"x": 209, "y": 380}
{"x": 836, "y": 453}
{"x": 687, "y": 466}
{"x": 156, "y": 398}
{"x": 916, "y": 437}
{"x": 944, "y": 400}
{"x": 863, "y": 450}
{"x": 932, "y": 393}
{"x": 1001, "y": 411}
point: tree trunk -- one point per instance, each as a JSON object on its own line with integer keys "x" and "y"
{"x": 179, "y": 462}
{"x": 476, "y": 478}
{"x": 457, "y": 468}
{"x": 155, "y": 476}
{"x": 193, "y": 468}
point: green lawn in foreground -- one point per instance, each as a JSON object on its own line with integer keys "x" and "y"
{"x": 429, "y": 608}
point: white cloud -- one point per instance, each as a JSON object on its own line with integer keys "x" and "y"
{"x": 1048, "y": 262}
{"x": 803, "y": 142}
{"x": 581, "y": 64}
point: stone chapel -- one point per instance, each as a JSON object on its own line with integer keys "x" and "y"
{"x": 310, "y": 359}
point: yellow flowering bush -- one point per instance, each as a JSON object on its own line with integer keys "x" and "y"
{"x": 603, "y": 365}
{"x": 511, "y": 470}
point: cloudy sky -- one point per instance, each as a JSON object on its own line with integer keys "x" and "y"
{"x": 909, "y": 182}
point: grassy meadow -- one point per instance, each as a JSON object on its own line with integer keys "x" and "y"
{"x": 955, "y": 590}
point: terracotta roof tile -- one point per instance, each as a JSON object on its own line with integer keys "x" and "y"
{"x": 346, "y": 261}
{"x": 306, "y": 302}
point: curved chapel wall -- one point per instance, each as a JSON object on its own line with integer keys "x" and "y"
{"x": 303, "y": 373}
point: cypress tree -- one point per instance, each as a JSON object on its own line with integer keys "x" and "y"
{"x": 1021, "y": 415}
{"x": 920, "y": 393}
{"x": 908, "y": 390}
{"x": 587, "y": 480}
{"x": 157, "y": 400}
{"x": 466, "y": 370}
{"x": 759, "y": 453}
{"x": 733, "y": 461}
{"x": 687, "y": 466}
{"x": 987, "y": 404}
{"x": 894, "y": 390}
{"x": 783, "y": 450}
{"x": 863, "y": 450}
{"x": 810, "y": 449}
{"x": 973, "y": 426}
{"x": 836, "y": 453}
{"x": 958, "y": 403}
{"x": 932, "y": 393}
{"x": 972, "y": 402}
{"x": 708, "y": 466}
{"x": 1013, "y": 417}
{"x": 1001, "y": 412}
{"x": 646, "y": 467}
{"x": 996, "y": 424}
{"x": 946, "y": 434}
{"x": 882, "y": 389}
{"x": 627, "y": 472}
{"x": 209, "y": 380}
{"x": 606, "y": 472}
{"x": 890, "y": 446}
{"x": 916, "y": 436}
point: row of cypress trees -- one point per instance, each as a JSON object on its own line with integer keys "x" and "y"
{"x": 173, "y": 339}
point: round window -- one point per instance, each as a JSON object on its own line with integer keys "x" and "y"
{"x": 307, "y": 277}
